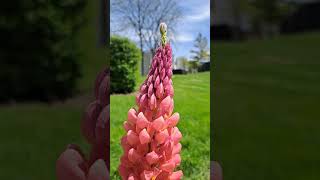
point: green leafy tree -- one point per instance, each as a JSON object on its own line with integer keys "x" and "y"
{"x": 193, "y": 66}
{"x": 183, "y": 62}
{"x": 265, "y": 14}
{"x": 200, "y": 52}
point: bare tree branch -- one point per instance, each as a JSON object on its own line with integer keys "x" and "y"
{"x": 143, "y": 17}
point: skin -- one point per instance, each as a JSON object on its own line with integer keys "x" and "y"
{"x": 70, "y": 167}
{"x": 216, "y": 171}
{"x": 72, "y": 164}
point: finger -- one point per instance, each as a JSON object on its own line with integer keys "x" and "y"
{"x": 216, "y": 171}
{"x": 102, "y": 133}
{"x": 98, "y": 171}
{"x": 101, "y": 127}
{"x": 68, "y": 166}
{"x": 89, "y": 121}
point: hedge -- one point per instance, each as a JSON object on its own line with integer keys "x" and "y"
{"x": 38, "y": 54}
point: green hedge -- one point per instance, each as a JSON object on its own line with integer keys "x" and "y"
{"x": 123, "y": 64}
{"x": 38, "y": 54}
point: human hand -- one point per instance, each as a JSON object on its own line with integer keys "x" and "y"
{"x": 216, "y": 171}
{"x": 72, "y": 163}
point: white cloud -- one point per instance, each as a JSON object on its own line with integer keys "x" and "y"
{"x": 196, "y": 11}
{"x": 200, "y": 16}
{"x": 184, "y": 37}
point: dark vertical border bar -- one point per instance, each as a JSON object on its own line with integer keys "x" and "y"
{"x": 104, "y": 23}
{"x": 211, "y": 92}
{"x": 104, "y": 37}
{"x": 215, "y": 168}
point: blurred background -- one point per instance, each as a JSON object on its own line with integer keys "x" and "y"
{"x": 50, "y": 54}
{"x": 265, "y": 88}
{"x": 134, "y": 38}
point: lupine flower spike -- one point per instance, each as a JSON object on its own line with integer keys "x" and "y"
{"x": 151, "y": 144}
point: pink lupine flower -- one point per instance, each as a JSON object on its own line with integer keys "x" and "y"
{"x": 151, "y": 145}
{"x": 72, "y": 163}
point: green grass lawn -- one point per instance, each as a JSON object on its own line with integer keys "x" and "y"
{"x": 266, "y": 98}
{"x": 192, "y": 101}
{"x": 33, "y": 136}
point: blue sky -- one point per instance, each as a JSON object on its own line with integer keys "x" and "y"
{"x": 196, "y": 19}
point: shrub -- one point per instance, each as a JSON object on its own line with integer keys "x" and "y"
{"x": 123, "y": 64}
{"x": 38, "y": 54}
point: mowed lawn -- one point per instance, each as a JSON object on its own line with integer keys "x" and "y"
{"x": 266, "y": 97}
{"x": 192, "y": 101}
{"x": 32, "y": 137}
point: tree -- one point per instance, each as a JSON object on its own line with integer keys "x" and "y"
{"x": 201, "y": 51}
{"x": 238, "y": 7}
{"x": 183, "y": 61}
{"x": 144, "y": 18}
{"x": 193, "y": 66}
{"x": 265, "y": 15}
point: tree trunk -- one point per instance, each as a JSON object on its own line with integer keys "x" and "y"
{"x": 142, "y": 58}
{"x": 142, "y": 63}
